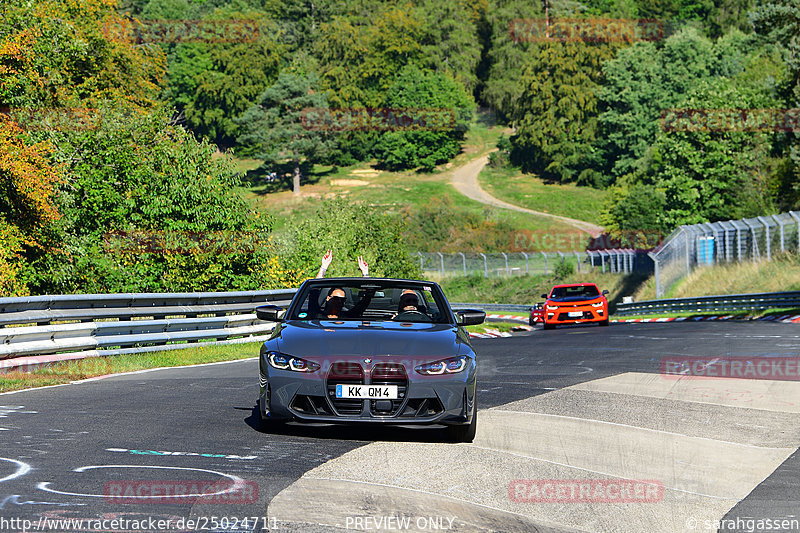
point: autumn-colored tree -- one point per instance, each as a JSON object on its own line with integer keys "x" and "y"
{"x": 56, "y": 53}
{"x": 27, "y": 187}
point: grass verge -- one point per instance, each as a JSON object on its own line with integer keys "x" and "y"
{"x": 779, "y": 275}
{"x": 526, "y": 190}
{"x": 502, "y": 327}
{"x": 68, "y": 371}
{"x": 527, "y": 289}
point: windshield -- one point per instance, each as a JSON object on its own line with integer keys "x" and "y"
{"x": 581, "y": 291}
{"x": 399, "y": 301}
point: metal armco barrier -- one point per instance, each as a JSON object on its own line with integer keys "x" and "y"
{"x": 733, "y": 302}
{"x": 492, "y": 307}
{"x": 110, "y": 324}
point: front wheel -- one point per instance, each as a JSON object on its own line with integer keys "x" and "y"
{"x": 545, "y": 325}
{"x": 465, "y": 433}
{"x": 604, "y": 322}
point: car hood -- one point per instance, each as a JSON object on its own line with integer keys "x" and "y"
{"x": 321, "y": 338}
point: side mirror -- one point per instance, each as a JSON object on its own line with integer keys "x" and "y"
{"x": 269, "y": 313}
{"x": 544, "y": 296}
{"x": 604, "y": 292}
{"x": 470, "y": 317}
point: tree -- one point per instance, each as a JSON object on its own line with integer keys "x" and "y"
{"x": 704, "y": 172}
{"x": 640, "y": 83}
{"x": 146, "y": 207}
{"x": 438, "y": 100}
{"x": 779, "y": 22}
{"x": 276, "y": 128}
{"x": 556, "y": 114}
{"x": 28, "y": 185}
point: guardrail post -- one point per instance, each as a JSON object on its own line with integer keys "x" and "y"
{"x": 464, "y": 261}
{"x": 421, "y": 262}
{"x": 545, "y": 262}
{"x": 441, "y": 261}
{"x": 485, "y": 266}
{"x": 578, "y": 261}
{"x": 591, "y": 258}
{"x": 506, "y": 258}
{"x": 526, "y": 262}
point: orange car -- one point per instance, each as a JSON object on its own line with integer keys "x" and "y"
{"x": 576, "y": 303}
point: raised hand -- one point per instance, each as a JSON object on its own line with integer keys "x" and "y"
{"x": 363, "y": 266}
{"x": 326, "y": 262}
{"x": 326, "y": 259}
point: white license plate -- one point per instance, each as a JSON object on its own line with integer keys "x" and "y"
{"x": 367, "y": 392}
{"x": 575, "y": 314}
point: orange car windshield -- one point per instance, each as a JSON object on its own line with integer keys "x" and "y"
{"x": 575, "y": 292}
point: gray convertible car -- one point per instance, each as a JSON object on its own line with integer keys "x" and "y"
{"x": 369, "y": 350}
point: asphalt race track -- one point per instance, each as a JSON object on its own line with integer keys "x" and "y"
{"x": 583, "y": 403}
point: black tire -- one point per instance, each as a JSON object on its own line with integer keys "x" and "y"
{"x": 604, "y": 322}
{"x": 545, "y": 325}
{"x": 465, "y": 433}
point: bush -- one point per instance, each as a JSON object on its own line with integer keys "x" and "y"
{"x": 349, "y": 231}
{"x": 564, "y": 269}
{"x": 146, "y": 207}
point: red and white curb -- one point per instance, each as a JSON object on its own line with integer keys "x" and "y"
{"x": 493, "y": 334}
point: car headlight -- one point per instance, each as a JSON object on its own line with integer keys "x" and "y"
{"x": 445, "y": 366}
{"x": 552, "y": 307}
{"x": 598, "y": 304}
{"x": 287, "y": 362}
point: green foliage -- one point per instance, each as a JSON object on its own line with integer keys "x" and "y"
{"x": 641, "y": 82}
{"x": 700, "y": 175}
{"x": 506, "y": 59}
{"x": 415, "y": 92}
{"x": 274, "y": 129}
{"x": 564, "y": 269}
{"x": 440, "y": 226}
{"x": 349, "y": 230}
{"x": 136, "y": 175}
{"x": 556, "y": 115}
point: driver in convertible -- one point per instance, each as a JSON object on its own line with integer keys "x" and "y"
{"x": 409, "y": 307}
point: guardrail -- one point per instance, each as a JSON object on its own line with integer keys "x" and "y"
{"x": 112, "y": 324}
{"x": 733, "y": 302}
{"x": 38, "y": 330}
{"x": 493, "y": 307}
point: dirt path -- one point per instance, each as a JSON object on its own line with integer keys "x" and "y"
{"x": 465, "y": 180}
